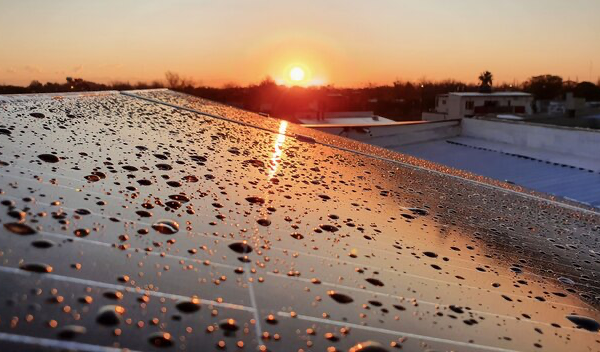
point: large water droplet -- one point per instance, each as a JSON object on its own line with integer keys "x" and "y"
{"x": 160, "y": 339}
{"x": 368, "y": 346}
{"x": 584, "y": 322}
{"x": 41, "y": 268}
{"x": 166, "y": 227}
{"x": 70, "y": 332}
{"x": 190, "y": 306}
{"x": 110, "y": 315}
{"x": 340, "y": 297}
{"x": 228, "y": 325}
{"x": 240, "y": 247}
{"x": 49, "y": 158}
{"x": 20, "y": 229}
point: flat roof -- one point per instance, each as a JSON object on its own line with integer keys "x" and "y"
{"x": 494, "y": 94}
{"x": 152, "y": 220}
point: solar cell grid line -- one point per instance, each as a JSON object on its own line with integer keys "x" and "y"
{"x": 225, "y": 216}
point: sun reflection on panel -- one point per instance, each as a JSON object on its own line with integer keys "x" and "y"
{"x": 277, "y": 149}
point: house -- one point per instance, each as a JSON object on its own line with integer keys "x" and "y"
{"x": 458, "y": 105}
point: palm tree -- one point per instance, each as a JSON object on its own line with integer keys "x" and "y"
{"x": 486, "y": 78}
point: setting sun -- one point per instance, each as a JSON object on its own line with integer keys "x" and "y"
{"x": 297, "y": 74}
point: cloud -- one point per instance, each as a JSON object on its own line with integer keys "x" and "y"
{"x": 11, "y": 70}
{"x": 77, "y": 68}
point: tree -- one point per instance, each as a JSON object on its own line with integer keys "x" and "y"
{"x": 587, "y": 90}
{"x": 486, "y": 79}
{"x": 174, "y": 81}
{"x": 544, "y": 87}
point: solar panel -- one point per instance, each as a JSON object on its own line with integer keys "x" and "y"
{"x": 153, "y": 220}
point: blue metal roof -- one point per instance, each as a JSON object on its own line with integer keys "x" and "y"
{"x": 561, "y": 180}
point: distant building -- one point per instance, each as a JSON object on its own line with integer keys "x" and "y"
{"x": 468, "y": 104}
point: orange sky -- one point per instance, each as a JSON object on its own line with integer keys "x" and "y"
{"x": 346, "y": 43}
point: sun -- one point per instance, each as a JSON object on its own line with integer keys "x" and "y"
{"x": 296, "y": 74}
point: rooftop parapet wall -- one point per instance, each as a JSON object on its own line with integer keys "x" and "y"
{"x": 576, "y": 142}
{"x": 394, "y": 135}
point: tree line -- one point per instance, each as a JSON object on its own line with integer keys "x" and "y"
{"x": 402, "y": 100}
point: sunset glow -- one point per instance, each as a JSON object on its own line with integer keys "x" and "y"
{"x": 345, "y": 43}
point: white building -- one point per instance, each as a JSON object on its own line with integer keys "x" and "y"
{"x": 468, "y": 104}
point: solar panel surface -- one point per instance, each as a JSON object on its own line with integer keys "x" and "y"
{"x": 154, "y": 220}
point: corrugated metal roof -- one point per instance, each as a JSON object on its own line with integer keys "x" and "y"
{"x": 156, "y": 220}
{"x": 473, "y": 155}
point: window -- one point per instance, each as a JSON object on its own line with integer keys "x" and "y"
{"x": 469, "y": 105}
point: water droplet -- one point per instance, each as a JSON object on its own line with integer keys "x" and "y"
{"x": 240, "y": 247}
{"x": 110, "y": 315}
{"x": 374, "y": 281}
{"x": 17, "y": 214}
{"x": 144, "y": 182}
{"x": 255, "y": 200}
{"x": 49, "y": 158}
{"x": 228, "y": 325}
{"x": 160, "y": 339}
{"x": 36, "y": 267}
{"x": 20, "y": 229}
{"x": 367, "y": 346}
{"x": 190, "y": 306}
{"x": 328, "y": 228}
{"x": 81, "y": 232}
{"x": 70, "y": 332}
{"x": 166, "y": 227}
{"x": 566, "y": 280}
{"x": 83, "y": 212}
{"x": 340, "y": 297}
{"x": 297, "y": 235}
{"x": 264, "y": 222}
{"x": 430, "y": 254}
{"x": 43, "y": 243}
{"x": 584, "y": 322}
{"x": 164, "y": 167}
